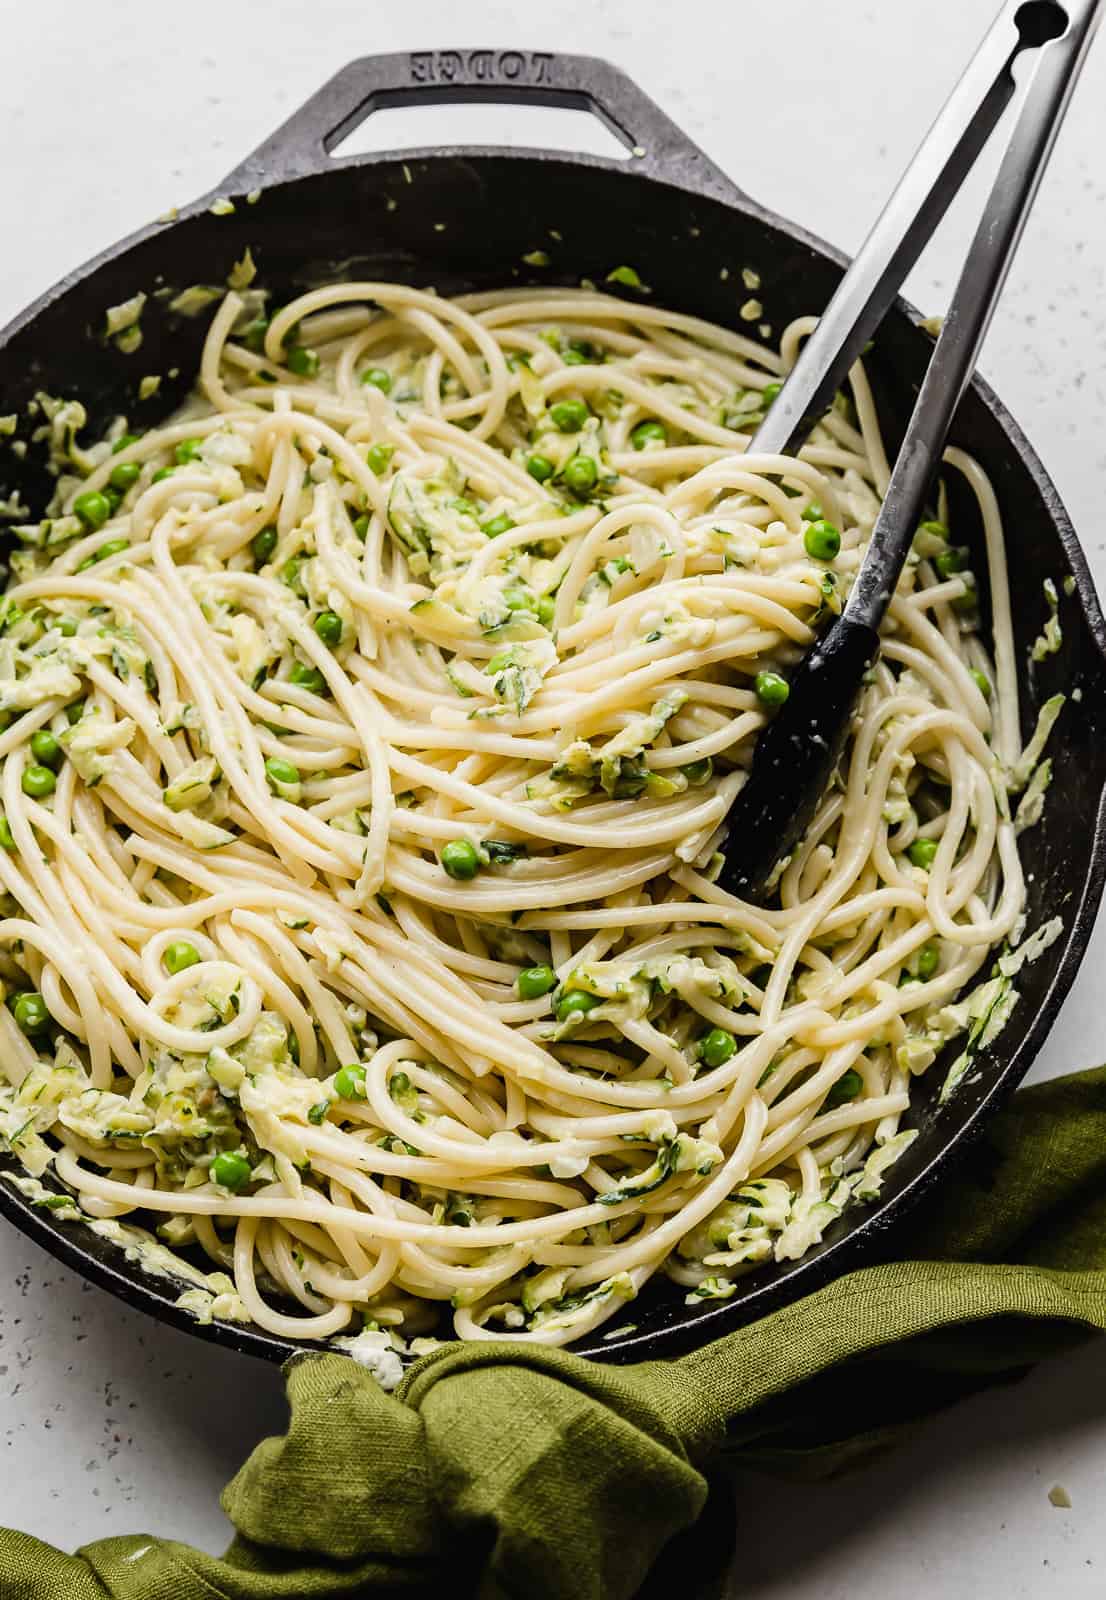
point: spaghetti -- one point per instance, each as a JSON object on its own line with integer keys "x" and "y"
{"x": 372, "y": 726}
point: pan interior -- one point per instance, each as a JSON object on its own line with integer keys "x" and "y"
{"x": 463, "y": 221}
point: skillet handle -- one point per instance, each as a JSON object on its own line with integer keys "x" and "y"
{"x": 302, "y": 145}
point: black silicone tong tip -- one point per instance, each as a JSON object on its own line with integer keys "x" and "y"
{"x": 795, "y": 757}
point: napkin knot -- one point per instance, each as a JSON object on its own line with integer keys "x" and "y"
{"x": 485, "y": 1459}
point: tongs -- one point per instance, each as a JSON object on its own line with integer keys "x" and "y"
{"x": 797, "y": 751}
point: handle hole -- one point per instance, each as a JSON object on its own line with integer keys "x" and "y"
{"x": 539, "y": 127}
{"x": 1038, "y": 21}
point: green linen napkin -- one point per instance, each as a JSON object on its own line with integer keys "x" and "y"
{"x": 502, "y": 1471}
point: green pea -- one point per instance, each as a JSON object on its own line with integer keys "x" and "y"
{"x": 162, "y": 474}
{"x": 969, "y": 599}
{"x": 569, "y": 416}
{"x": 378, "y": 378}
{"x": 66, "y": 626}
{"x": 929, "y": 959}
{"x": 309, "y": 678}
{"x": 937, "y": 529}
{"x": 349, "y": 1082}
{"x": 188, "y": 450}
{"x": 124, "y": 442}
{"x": 253, "y": 334}
{"x": 74, "y": 711}
{"x": 575, "y": 1002}
{"x": 30, "y": 1013}
{"x": 769, "y": 393}
{"x": 231, "y": 1169}
{"x": 717, "y": 1047}
{"x": 93, "y": 508}
{"x": 179, "y": 955}
{"x": 263, "y": 544}
{"x": 302, "y": 361}
{"x": 460, "y": 860}
{"x": 982, "y": 682}
{"x": 378, "y": 456}
{"x": 328, "y": 626}
{"x": 547, "y": 607}
{"x": 290, "y": 574}
{"x": 519, "y": 599}
{"x": 125, "y": 475}
{"x": 38, "y": 782}
{"x": 648, "y": 432}
{"x": 581, "y": 474}
{"x": 950, "y": 562}
{"x": 503, "y": 523}
{"x": 771, "y": 688}
{"x": 279, "y": 771}
{"x": 7, "y": 838}
{"x": 361, "y": 528}
{"x": 821, "y": 540}
{"x": 922, "y": 853}
{"x": 113, "y": 547}
{"x": 540, "y": 468}
{"x": 533, "y": 982}
{"x": 698, "y": 772}
{"x": 114, "y": 498}
{"x": 45, "y": 748}
{"x": 847, "y": 1087}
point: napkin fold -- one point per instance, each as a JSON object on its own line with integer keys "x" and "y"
{"x": 500, "y": 1471}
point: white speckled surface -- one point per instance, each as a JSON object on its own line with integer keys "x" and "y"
{"x": 111, "y": 1423}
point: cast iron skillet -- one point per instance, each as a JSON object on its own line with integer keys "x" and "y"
{"x": 464, "y": 219}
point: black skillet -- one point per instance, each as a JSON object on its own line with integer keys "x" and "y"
{"x": 464, "y": 219}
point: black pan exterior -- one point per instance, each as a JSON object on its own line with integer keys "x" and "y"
{"x": 464, "y": 219}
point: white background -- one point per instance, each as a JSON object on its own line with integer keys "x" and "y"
{"x": 112, "y": 111}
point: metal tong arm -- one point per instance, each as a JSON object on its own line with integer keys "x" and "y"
{"x": 946, "y": 156}
{"x": 1055, "y": 72}
{"x": 797, "y": 751}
